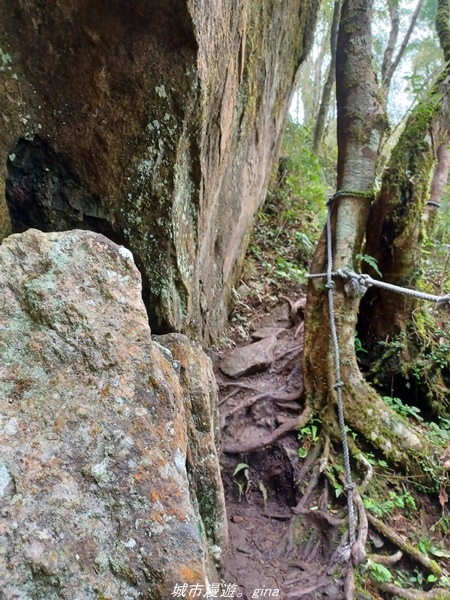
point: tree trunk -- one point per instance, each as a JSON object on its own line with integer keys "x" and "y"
{"x": 438, "y": 183}
{"x": 361, "y": 123}
{"x": 394, "y": 230}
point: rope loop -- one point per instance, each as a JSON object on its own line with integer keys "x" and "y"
{"x": 351, "y": 194}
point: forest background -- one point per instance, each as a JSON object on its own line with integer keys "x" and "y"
{"x": 399, "y": 347}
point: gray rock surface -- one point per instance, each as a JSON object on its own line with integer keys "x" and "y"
{"x": 94, "y": 493}
{"x": 155, "y": 123}
{"x": 250, "y": 359}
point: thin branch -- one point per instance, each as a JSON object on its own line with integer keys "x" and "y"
{"x": 399, "y": 592}
{"x": 394, "y": 64}
{"x": 331, "y": 76}
{"x": 393, "y": 35}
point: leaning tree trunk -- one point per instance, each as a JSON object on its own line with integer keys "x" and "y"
{"x": 395, "y": 228}
{"x": 360, "y": 126}
{"x": 438, "y": 183}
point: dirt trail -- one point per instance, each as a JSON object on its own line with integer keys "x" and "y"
{"x": 273, "y": 552}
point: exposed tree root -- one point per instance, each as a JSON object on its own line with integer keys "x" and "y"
{"x": 399, "y": 592}
{"x": 405, "y": 546}
{"x": 295, "y": 350}
{"x": 248, "y": 402}
{"x": 268, "y": 440}
{"x": 387, "y": 561}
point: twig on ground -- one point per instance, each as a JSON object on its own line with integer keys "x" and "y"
{"x": 359, "y": 547}
{"x": 286, "y": 544}
{"x": 359, "y": 456}
{"x": 248, "y": 402}
{"x": 309, "y": 463}
{"x": 276, "y": 516}
{"x": 294, "y": 350}
{"x": 312, "y": 485}
{"x": 228, "y": 396}
{"x": 268, "y": 440}
{"x": 349, "y": 584}
{"x": 325, "y": 456}
{"x": 299, "y": 592}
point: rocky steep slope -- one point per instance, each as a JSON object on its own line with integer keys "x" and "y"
{"x": 154, "y": 123}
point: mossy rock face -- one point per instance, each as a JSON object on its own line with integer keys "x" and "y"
{"x": 154, "y": 123}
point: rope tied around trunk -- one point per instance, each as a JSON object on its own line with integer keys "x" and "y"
{"x": 356, "y": 285}
{"x": 339, "y": 384}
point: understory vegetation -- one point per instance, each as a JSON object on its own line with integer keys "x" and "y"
{"x": 408, "y": 544}
{"x": 406, "y": 527}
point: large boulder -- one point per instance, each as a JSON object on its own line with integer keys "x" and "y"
{"x": 154, "y": 123}
{"x": 100, "y": 492}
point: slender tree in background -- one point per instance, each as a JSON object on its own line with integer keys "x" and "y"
{"x": 329, "y": 82}
{"x": 391, "y": 63}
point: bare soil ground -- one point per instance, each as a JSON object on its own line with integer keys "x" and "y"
{"x": 270, "y": 548}
{"x": 284, "y": 540}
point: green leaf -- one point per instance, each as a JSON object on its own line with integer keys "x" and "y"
{"x": 380, "y": 572}
{"x": 371, "y": 261}
{"x": 240, "y": 467}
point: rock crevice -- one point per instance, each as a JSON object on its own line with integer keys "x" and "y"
{"x": 158, "y": 124}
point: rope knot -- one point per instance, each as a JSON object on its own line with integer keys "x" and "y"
{"x": 329, "y": 285}
{"x": 349, "y": 486}
{"x": 356, "y": 284}
{"x": 338, "y": 385}
{"x": 444, "y": 302}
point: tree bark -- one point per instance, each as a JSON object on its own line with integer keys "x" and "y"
{"x": 438, "y": 183}
{"x": 361, "y": 122}
{"x": 395, "y": 229}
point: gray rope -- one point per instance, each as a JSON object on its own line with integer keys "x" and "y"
{"x": 361, "y": 282}
{"x": 350, "y": 194}
{"x": 339, "y": 384}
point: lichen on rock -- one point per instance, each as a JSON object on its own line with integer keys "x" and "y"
{"x": 93, "y": 438}
{"x": 155, "y": 124}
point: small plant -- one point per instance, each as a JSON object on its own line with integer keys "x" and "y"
{"x": 359, "y": 349}
{"x": 379, "y": 572}
{"x": 427, "y": 547}
{"x": 308, "y": 435}
{"x": 263, "y": 490}
{"x": 394, "y": 501}
{"x": 403, "y": 409}
{"x": 244, "y": 484}
{"x": 333, "y": 473}
{"x": 371, "y": 261}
